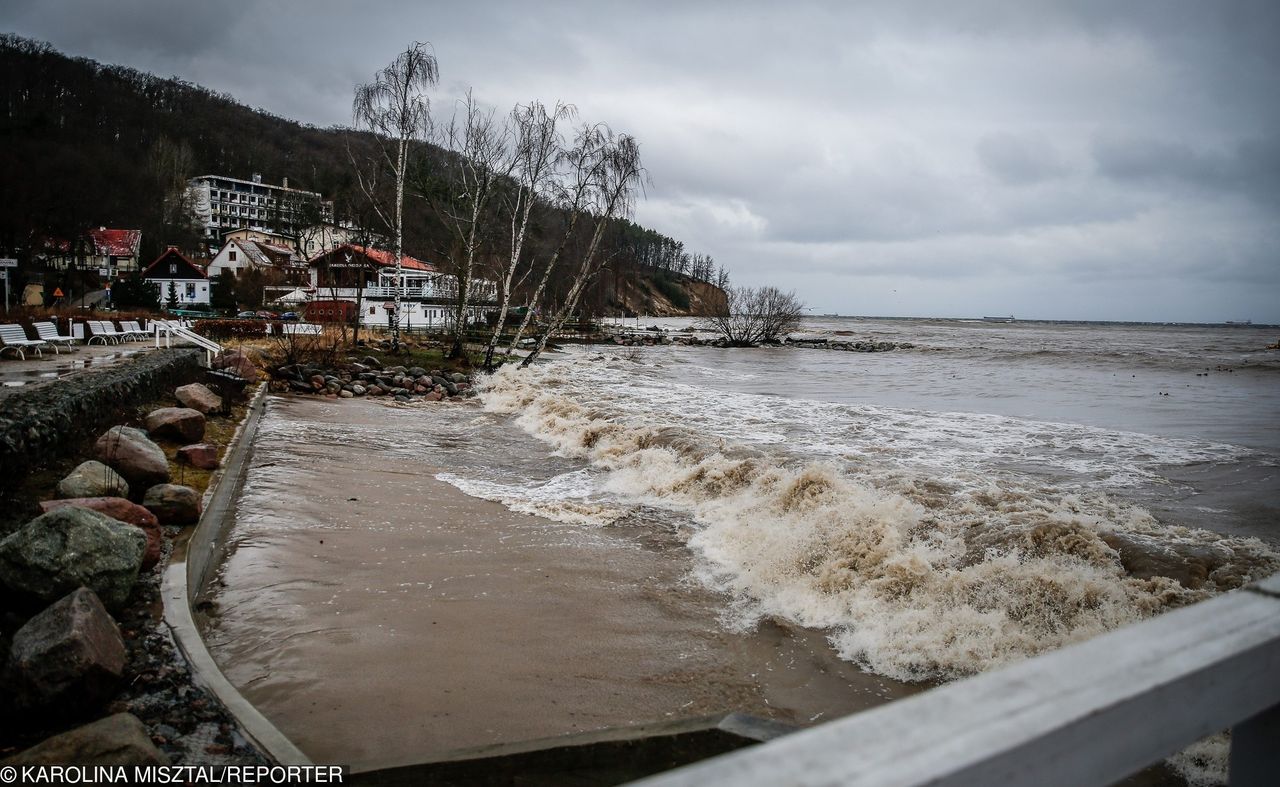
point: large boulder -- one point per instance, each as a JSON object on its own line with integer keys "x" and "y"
{"x": 173, "y": 504}
{"x": 237, "y": 362}
{"x": 93, "y": 479}
{"x": 133, "y": 455}
{"x": 70, "y": 547}
{"x": 201, "y": 455}
{"x": 68, "y": 659}
{"x": 198, "y": 397}
{"x": 119, "y": 740}
{"x": 125, "y": 511}
{"x": 179, "y": 423}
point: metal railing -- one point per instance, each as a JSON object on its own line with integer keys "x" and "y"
{"x": 1088, "y": 714}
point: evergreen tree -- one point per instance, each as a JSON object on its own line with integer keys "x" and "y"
{"x": 135, "y": 292}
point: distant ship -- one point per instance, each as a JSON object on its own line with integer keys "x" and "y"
{"x": 997, "y": 319}
{"x": 1239, "y": 322}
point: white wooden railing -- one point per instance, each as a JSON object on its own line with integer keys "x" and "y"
{"x": 1088, "y": 714}
{"x": 174, "y": 328}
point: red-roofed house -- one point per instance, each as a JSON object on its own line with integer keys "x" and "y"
{"x": 116, "y": 251}
{"x": 189, "y": 281}
{"x": 349, "y": 265}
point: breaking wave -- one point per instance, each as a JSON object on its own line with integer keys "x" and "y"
{"x": 915, "y": 572}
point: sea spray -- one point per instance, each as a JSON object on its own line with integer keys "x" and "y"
{"x": 914, "y": 575}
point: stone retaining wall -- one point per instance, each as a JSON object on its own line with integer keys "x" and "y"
{"x": 45, "y": 422}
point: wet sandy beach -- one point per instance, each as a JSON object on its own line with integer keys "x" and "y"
{"x": 415, "y": 620}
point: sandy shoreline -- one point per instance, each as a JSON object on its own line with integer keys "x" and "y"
{"x": 417, "y": 620}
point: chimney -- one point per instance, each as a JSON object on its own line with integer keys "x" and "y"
{"x": 257, "y": 177}
{"x": 102, "y": 229}
{"x": 284, "y": 183}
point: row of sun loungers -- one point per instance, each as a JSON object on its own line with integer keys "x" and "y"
{"x": 14, "y": 339}
{"x": 104, "y": 331}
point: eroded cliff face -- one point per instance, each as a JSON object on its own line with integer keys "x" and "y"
{"x": 665, "y": 296}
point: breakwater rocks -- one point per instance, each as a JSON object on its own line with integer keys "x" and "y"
{"x": 367, "y": 377}
{"x": 45, "y": 422}
{"x": 656, "y": 336}
{"x": 849, "y": 346}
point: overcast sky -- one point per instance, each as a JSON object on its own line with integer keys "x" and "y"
{"x": 1083, "y": 160}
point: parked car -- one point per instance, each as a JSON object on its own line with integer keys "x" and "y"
{"x": 290, "y": 316}
{"x": 266, "y": 315}
{"x": 247, "y": 315}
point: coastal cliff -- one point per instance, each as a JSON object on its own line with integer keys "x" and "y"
{"x": 663, "y": 294}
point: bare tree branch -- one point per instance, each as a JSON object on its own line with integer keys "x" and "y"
{"x": 755, "y": 316}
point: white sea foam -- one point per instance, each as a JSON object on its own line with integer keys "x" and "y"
{"x": 887, "y": 528}
{"x": 564, "y": 498}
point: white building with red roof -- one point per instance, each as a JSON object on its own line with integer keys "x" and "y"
{"x": 354, "y": 273}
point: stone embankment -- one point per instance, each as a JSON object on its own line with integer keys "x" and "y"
{"x": 368, "y": 377}
{"x": 89, "y": 673}
{"x": 44, "y": 422}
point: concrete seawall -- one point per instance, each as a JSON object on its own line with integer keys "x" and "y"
{"x": 193, "y": 561}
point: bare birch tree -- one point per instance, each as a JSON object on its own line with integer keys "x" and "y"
{"x": 394, "y": 106}
{"x": 574, "y": 187}
{"x": 612, "y": 163}
{"x": 483, "y": 158}
{"x": 537, "y": 145}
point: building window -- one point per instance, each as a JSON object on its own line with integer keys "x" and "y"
{"x": 231, "y": 255}
{"x": 173, "y": 267}
{"x": 191, "y": 292}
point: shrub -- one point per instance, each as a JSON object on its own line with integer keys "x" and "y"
{"x": 231, "y": 329}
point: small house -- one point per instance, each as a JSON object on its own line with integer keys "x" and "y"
{"x": 189, "y": 281}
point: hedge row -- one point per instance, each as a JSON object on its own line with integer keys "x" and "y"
{"x": 231, "y": 329}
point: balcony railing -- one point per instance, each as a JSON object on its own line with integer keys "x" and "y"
{"x": 375, "y": 292}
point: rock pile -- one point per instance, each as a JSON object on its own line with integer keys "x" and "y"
{"x": 690, "y": 340}
{"x": 850, "y": 347}
{"x": 367, "y": 377}
{"x": 93, "y": 646}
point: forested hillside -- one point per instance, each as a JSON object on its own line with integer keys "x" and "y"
{"x": 87, "y": 144}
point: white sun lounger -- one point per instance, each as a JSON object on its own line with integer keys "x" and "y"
{"x": 14, "y": 338}
{"x": 135, "y": 331}
{"x": 49, "y": 332}
{"x": 104, "y": 330}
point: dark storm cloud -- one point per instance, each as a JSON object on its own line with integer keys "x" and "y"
{"x": 129, "y": 30}
{"x": 1250, "y": 167}
{"x": 902, "y": 153}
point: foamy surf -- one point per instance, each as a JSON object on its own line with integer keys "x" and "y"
{"x": 564, "y": 498}
{"x": 917, "y": 568}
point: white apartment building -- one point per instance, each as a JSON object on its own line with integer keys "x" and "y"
{"x": 221, "y": 203}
